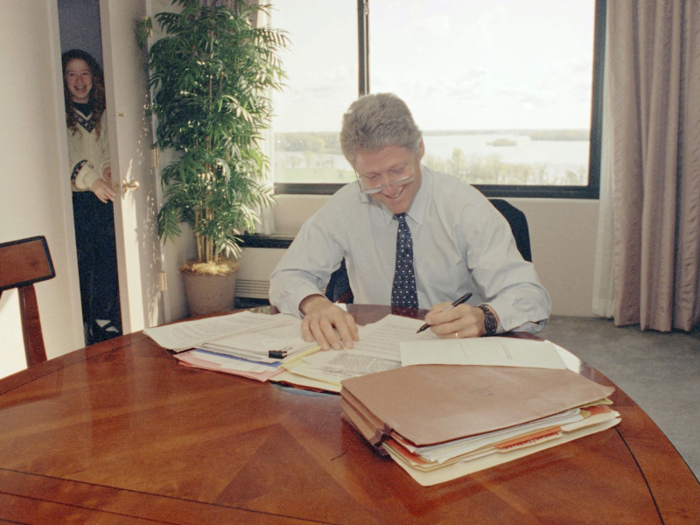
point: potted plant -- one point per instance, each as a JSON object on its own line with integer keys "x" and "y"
{"x": 211, "y": 75}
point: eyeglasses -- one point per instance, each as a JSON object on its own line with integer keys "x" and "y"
{"x": 404, "y": 177}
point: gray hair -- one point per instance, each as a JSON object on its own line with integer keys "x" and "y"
{"x": 376, "y": 121}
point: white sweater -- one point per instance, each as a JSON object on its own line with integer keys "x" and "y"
{"x": 88, "y": 153}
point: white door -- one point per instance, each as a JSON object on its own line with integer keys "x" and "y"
{"x": 138, "y": 247}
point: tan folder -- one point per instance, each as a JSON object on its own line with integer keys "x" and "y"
{"x": 430, "y": 404}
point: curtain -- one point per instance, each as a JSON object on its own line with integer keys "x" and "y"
{"x": 603, "y": 297}
{"x": 654, "y": 80}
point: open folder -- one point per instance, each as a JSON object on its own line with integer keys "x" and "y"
{"x": 440, "y": 422}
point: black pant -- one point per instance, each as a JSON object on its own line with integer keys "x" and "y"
{"x": 97, "y": 265}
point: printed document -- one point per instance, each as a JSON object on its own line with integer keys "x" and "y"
{"x": 377, "y": 350}
{"x": 486, "y": 351}
{"x": 382, "y": 339}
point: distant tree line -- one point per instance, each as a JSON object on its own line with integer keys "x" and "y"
{"x": 315, "y": 142}
{"x": 560, "y": 134}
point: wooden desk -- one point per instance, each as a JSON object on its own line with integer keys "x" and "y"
{"x": 120, "y": 433}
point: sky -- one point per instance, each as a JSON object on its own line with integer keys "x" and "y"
{"x": 460, "y": 65}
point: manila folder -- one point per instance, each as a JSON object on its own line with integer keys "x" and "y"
{"x": 429, "y": 404}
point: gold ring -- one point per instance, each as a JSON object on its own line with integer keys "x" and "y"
{"x": 456, "y": 335}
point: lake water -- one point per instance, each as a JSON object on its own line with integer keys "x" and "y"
{"x": 560, "y": 157}
{"x": 563, "y": 154}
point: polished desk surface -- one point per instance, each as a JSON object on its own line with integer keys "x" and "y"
{"x": 119, "y": 432}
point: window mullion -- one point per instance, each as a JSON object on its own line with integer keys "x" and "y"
{"x": 363, "y": 45}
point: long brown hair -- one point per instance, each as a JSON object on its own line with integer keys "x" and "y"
{"x": 97, "y": 93}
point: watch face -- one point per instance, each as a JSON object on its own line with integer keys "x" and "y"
{"x": 490, "y": 323}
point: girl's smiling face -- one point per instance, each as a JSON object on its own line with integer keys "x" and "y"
{"x": 78, "y": 78}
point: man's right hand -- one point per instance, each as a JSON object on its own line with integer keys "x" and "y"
{"x": 327, "y": 323}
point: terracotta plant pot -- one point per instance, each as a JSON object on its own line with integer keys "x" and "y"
{"x": 207, "y": 294}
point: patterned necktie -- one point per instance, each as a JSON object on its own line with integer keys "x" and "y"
{"x": 403, "y": 292}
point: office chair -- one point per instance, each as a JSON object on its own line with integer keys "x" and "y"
{"x": 23, "y": 263}
{"x": 518, "y": 225}
{"x": 338, "y": 289}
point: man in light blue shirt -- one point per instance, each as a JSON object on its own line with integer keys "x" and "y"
{"x": 461, "y": 243}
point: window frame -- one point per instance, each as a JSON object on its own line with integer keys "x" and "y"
{"x": 591, "y": 191}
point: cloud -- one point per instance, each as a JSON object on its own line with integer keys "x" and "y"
{"x": 469, "y": 85}
{"x": 526, "y": 98}
{"x": 438, "y": 25}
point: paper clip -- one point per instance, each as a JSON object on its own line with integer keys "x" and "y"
{"x": 279, "y": 354}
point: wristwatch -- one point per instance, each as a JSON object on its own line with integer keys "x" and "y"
{"x": 490, "y": 321}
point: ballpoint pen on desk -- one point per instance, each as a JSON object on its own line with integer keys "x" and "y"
{"x": 459, "y": 301}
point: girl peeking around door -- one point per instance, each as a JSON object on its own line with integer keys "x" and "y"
{"x": 91, "y": 182}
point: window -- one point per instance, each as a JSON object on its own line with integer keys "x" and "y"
{"x": 503, "y": 90}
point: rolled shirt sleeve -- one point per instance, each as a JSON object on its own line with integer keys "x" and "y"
{"x": 307, "y": 265}
{"x": 506, "y": 281}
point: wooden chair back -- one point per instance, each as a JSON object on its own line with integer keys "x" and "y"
{"x": 23, "y": 263}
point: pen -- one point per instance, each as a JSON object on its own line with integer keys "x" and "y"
{"x": 459, "y": 301}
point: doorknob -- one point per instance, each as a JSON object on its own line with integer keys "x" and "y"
{"x": 127, "y": 186}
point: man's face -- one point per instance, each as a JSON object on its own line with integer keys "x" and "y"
{"x": 386, "y": 165}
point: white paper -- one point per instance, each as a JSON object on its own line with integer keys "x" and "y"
{"x": 329, "y": 376}
{"x": 228, "y": 363}
{"x": 486, "y": 351}
{"x": 376, "y": 351}
{"x": 188, "y": 334}
{"x": 299, "y": 380}
{"x": 446, "y": 451}
{"x": 284, "y": 334}
{"x": 462, "y": 468}
{"x": 335, "y": 365}
{"x": 382, "y": 339}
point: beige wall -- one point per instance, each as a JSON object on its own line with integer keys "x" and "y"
{"x": 562, "y": 233}
{"x": 563, "y": 237}
{"x": 35, "y": 198}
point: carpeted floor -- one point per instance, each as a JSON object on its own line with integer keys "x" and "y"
{"x": 660, "y": 371}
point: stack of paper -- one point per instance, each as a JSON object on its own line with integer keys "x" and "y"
{"x": 229, "y": 364}
{"x": 377, "y": 350}
{"x": 190, "y": 334}
{"x": 440, "y": 422}
{"x": 245, "y": 344}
